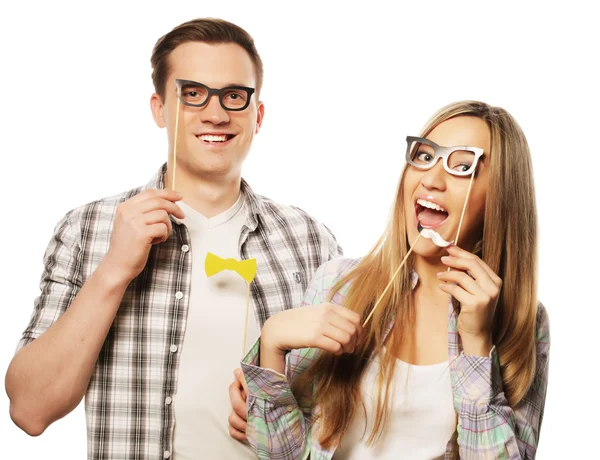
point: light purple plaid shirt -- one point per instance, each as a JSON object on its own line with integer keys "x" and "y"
{"x": 128, "y": 402}
{"x": 488, "y": 428}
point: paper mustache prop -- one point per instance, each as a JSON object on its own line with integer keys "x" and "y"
{"x": 433, "y": 236}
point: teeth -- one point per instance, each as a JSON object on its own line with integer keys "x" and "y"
{"x": 430, "y": 205}
{"x": 213, "y": 137}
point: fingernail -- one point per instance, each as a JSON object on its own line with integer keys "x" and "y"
{"x": 439, "y": 274}
{"x": 236, "y": 373}
{"x": 445, "y": 258}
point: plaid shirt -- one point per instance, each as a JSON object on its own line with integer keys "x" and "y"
{"x": 488, "y": 428}
{"x": 128, "y": 402}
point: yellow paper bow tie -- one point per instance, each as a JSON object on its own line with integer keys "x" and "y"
{"x": 245, "y": 268}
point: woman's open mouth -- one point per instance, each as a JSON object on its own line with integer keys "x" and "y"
{"x": 429, "y": 214}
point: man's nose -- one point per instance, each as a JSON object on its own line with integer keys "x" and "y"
{"x": 213, "y": 112}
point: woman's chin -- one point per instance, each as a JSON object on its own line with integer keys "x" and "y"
{"x": 428, "y": 249}
{"x": 430, "y": 252}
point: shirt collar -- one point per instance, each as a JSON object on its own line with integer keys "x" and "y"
{"x": 414, "y": 279}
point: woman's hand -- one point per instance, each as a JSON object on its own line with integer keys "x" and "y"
{"x": 474, "y": 284}
{"x": 327, "y": 326}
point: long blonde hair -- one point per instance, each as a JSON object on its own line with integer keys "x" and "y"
{"x": 508, "y": 246}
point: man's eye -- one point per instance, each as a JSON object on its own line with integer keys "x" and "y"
{"x": 234, "y": 96}
{"x": 191, "y": 94}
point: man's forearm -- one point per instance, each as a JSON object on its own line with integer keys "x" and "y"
{"x": 48, "y": 378}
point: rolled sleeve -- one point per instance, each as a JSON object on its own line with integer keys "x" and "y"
{"x": 60, "y": 281}
{"x": 488, "y": 427}
{"x": 264, "y": 383}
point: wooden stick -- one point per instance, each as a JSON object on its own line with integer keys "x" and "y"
{"x": 175, "y": 144}
{"x": 246, "y": 322}
{"x": 463, "y": 212}
{"x": 464, "y": 208}
{"x": 390, "y": 283}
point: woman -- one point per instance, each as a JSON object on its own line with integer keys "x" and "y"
{"x": 426, "y": 377}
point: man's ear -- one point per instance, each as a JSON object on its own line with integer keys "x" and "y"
{"x": 260, "y": 115}
{"x": 157, "y": 107}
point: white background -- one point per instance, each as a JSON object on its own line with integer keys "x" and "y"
{"x": 343, "y": 86}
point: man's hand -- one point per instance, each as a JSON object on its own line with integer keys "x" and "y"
{"x": 238, "y": 392}
{"x": 140, "y": 222}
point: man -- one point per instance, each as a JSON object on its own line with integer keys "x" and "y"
{"x": 127, "y": 315}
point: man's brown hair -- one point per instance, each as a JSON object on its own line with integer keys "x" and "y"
{"x": 207, "y": 30}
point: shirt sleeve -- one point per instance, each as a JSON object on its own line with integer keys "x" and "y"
{"x": 277, "y": 426}
{"x": 60, "y": 281}
{"x": 488, "y": 428}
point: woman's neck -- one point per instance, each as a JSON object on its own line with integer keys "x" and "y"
{"x": 427, "y": 268}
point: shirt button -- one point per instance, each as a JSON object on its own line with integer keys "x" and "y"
{"x": 168, "y": 400}
{"x": 178, "y": 295}
{"x": 185, "y": 248}
{"x": 173, "y": 348}
{"x": 167, "y": 454}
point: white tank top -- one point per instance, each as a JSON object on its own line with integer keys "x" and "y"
{"x": 422, "y": 418}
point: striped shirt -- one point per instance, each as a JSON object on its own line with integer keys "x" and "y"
{"x": 129, "y": 414}
{"x": 488, "y": 428}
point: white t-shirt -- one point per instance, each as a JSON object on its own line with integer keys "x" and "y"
{"x": 212, "y": 345}
{"x": 421, "y": 422}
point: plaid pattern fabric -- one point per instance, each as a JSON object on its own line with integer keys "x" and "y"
{"x": 488, "y": 428}
{"x": 128, "y": 403}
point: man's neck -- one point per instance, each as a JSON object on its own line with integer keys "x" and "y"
{"x": 208, "y": 196}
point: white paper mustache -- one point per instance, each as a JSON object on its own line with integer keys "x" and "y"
{"x": 433, "y": 236}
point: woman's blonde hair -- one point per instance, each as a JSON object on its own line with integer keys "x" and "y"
{"x": 508, "y": 245}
